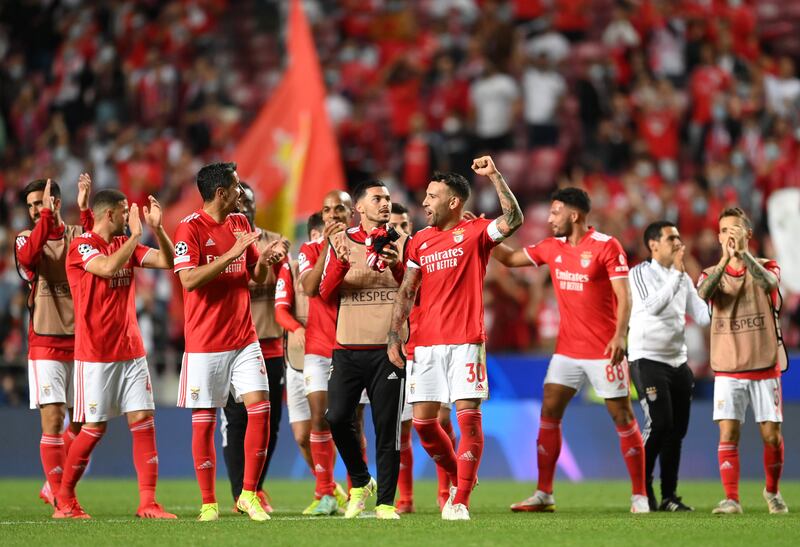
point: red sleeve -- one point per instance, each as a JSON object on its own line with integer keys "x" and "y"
{"x": 615, "y": 260}
{"x": 187, "y": 248}
{"x": 307, "y": 257}
{"x": 284, "y": 288}
{"x": 538, "y": 254}
{"x": 399, "y": 271}
{"x": 87, "y": 220}
{"x": 286, "y": 320}
{"x": 81, "y": 252}
{"x": 29, "y": 248}
{"x": 332, "y": 276}
{"x": 284, "y": 299}
{"x": 140, "y": 253}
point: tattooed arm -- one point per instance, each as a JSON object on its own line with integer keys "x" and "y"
{"x": 512, "y": 213}
{"x": 404, "y": 301}
{"x": 762, "y": 276}
{"x": 709, "y": 285}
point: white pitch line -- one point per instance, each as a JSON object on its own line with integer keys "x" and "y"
{"x": 276, "y": 518}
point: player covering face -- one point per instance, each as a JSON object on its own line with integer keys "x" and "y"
{"x": 747, "y": 362}
{"x": 446, "y": 266}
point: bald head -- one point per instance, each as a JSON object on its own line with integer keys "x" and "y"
{"x": 337, "y": 206}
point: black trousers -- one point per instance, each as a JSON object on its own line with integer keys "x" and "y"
{"x": 236, "y": 418}
{"x": 353, "y": 371}
{"x": 665, "y": 393}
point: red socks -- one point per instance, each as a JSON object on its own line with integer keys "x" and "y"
{"x": 76, "y": 462}
{"x": 632, "y": 447}
{"x": 470, "y": 450}
{"x": 68, "y": 436}
{"x": 441, "y": 473}
{"x": 256, "y": 439}
{"x": 438, "y": 446}
{"x": 145, "y": 459}
{"x": 405, "y": 482}
{"x": 323, "y": 455}
{"x": 203, "y": 452}
{"x": 773, "y": 466}
{"x": 548, "y": 448}
{"x": 728, "y": 457}
{"x": 51, "y": 449}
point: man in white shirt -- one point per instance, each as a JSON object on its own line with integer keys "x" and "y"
{"x": 663, "y": 293}
{"x": 495, "y": 105}
{"x": 544, "y": 90}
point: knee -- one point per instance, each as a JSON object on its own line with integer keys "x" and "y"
{"x": 52, "y": 416}
{"x": 336, "y": 418}
{"x": 302, "y": 441}
{"x": 772, "y": 436}
{"x": 623, "y": 416}
{"x": 729, "y": 435}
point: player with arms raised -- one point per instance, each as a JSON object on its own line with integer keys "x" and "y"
{"x": 446, "y": 266}
{"x": 41, "y": 255}
{"x": 111, "y": 375}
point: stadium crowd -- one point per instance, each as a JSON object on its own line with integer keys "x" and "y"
{"x": 659, "y": 109}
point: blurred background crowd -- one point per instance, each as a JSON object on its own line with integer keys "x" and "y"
{"x": 658, "y": 108}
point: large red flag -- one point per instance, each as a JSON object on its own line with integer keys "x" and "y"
{"x": 290, "y": 155}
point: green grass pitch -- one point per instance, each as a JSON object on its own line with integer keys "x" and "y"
{"x": 589, "y": 513}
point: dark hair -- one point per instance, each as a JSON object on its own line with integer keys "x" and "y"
{"x": 399, "y": 209}
{"x": 574, "y": 197}
{"x": 736, "y": 212}
{"x": 106, "y": 199}
{"x": 38, "y": 186}
{"x": 213, "y": 176}
{"x": 653, "y": 231}
{"x": 361, "y": 190}
{"x": 314, "y": 223}
{"x": 457, "y": 183}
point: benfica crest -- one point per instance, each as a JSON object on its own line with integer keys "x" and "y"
{"x": 586, "y": 258}
{"x": 458, "y": 235}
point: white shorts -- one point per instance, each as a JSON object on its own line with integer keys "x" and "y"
{"x": 316, "y": 373}
{"x": 296, "y": 402}
{"x": 609, "y": 381}
{"x": 447, "y": 373}
{"x": 733, "y": 395}
{"x": 50, "y": 382}
{"x": 106, "y": 390}
{"x": 208, "y": 378}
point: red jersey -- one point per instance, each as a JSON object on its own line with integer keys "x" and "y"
{"x": 772, "y": 372}
{"x": 452, "y": 264}
{"x": 321, "y": 325}
{"x": 28, "y": 250}
{"x": 106, "y": 328}
{"x": 582, "y": 277}
{"x": 218, "y": 313}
